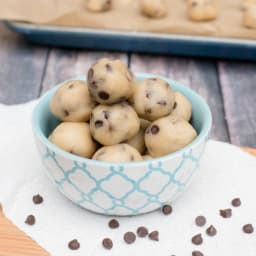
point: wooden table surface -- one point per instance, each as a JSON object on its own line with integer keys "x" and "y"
{"x": 28, "y": 71}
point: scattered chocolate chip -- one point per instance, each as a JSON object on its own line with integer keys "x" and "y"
{"x": 197, "y": 239}
{"x": 108, "y": 67}
{"x": 37, "y": 199}
{"x": 98, "y": 124}
{"x": 236, "y": 202}
{"x": 227, "y": 213}
{"x": 148, "y": 110}
{"x": 30, "y": 220}
{"x": 107, "y": 243}
{"x": 162, "y": 103}
{"x": 200, "y": 221}
{"x": 154, "y": 129}
{"x": 167, "y": 209}
{"x": 103, "y": 95}
{"x": 66, "y": 113}
{"x": 90, "y": 74}
{"x": 142, "y": 231}
{"x": 129, "y": 237}
{"x": 248, "y": 228}
{"x": 154, "y": 236}
{"x": 74, "y": 245}
{"x": 93, "y": 85}
{"x": 211, "y": 231}
{"x": 197, "y": 253}
{"x": 113, "y": 224}
{"x": 70, "y": 86}
{"x": 175, "y": 105}
{"x": 106, "y": 114}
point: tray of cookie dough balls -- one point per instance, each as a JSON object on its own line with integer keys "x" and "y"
{"x": 209, "y": 28}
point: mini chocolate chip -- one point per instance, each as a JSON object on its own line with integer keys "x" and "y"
{"x": 162, "y": 103}
{"x": 98, "y": 124}
{"x": 197, "y": 253}
{"x": 236, "y": 202}
{"x": 197, "y": 239}
{"x": 148, "y": 110}
{"x": 37, "y": 199}
{"x": 142, "y": 231}
{"x": 30, "y": 220}
{"x": 103, "y": 95}
{"x": 175, "y": 105}
{"x": 154, "y": 236}
{"x": 66, "y": 113}
{"x": 106, "y": 114}
{"x": 93, "y": 85}
{"x": 70, "y": 86}
{"x": 90, "y": 73}
{"x": 154, "y": 129}
{"x": 211, "y": 231}
{"x": 107, "y": 243}
{"x": 200, "y": 221}
{"x": 113, "y": 224}
{"x": 167, "y": 209}
{"x": 248, "y": 228}
{"x": 74, "y": 245}
{"x": 129, "y": 237}
{"x": 108, "y": 67}
{"x": 227, "y": 213}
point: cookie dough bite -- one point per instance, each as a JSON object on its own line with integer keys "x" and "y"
{"x": 147, "y": 157}
{"x": 72, "y": 102}
{"x": 182, "y": 107}
{"x": 113, "y": 124}
{"x": 153, "y": 98}
{"x": 98, "y": 5}
{"x": 167, "y": 135}
{"x": 119, "y": 153}
{"x": 154, "y": 8}
{"x": 249, "y": 17}
{"x": 202, "y": 10}
{"x": 110, "y": 81}
{"x": 74, "y": 138}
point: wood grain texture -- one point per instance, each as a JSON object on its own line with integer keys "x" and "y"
{"x": 238, "y": 84}
{"x": 200, "y": 75}
{"x": 21, "y": 68}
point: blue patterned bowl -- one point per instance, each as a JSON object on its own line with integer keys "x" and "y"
{"x": 125, "y": 188}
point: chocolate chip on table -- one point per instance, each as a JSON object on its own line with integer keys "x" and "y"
{"x": 167, "y": 209}
{"x": 98, "y": 124}
{"x": 74, "y": 245}
{"x": 211, "y": 231}
{"x": 236, "y": 202}
{"x": 129, "y": 237}
{"x": 37, "y": 199}
{"x": 113, "y": 224}
{"x": 103, "y": 95}
{"x": 227, "y": 213}
{"x": 200, "y": 221}
{"x": 197, "y": 239}
{"x": 197, "y": 253}
{"x": 142, "y": 231}
{"x": 154, "y": 236}
{"x": 154, "y": 129}
{"x": 30, "y": 220}
{"x": 248, "y": 228}
{"x": 107, "y": 243}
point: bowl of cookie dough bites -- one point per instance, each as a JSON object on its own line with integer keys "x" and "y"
{"x": 119, "y": 143}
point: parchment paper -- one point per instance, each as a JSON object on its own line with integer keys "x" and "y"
{"x": 125, "y": 15}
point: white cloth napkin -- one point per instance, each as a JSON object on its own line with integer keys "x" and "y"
{"x": 226, "y": 172}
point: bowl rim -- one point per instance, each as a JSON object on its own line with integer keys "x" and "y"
{"x": 201, "y": 136}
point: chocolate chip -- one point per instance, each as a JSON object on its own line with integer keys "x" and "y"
{"x": 142, "y": 231}
{"x": 70, "y": 86}
{"x": 113, "y": 224}
{"x": 37, "y": 199}
{"x": 162, "y": 103}
{"x": 227, "y": 213}
{"x": 175, "y": 105}
{"x": 211, "y": 231}
{"x": 154, "y": 129}
{"x": 66, "y": 113}
{"x": 90, "y": 74}
{"x": 129, "y": 237}
{"x": 30, "y": 220}
{"x": 103, "y": 95}
{"x": 93, "y": 85}
{"x": 167, "y": 209}
{"x": 200, "y": 221}
{"x": 248, "y": 228}
{"x": 106, "y": 114}
{"x": 74, "y": 245}
{"x": 154, "y": 236}
{"x": 107, "y": 243}
{"x": 197, "y": 253}
{"x": 98, "y": 124}
{"x": 148, "y": 110}
{"x": 108, "y": 67}
{"x": 236, "y": 202}
{"x": 197, "y": 239}
{"x": 148, "y": 95}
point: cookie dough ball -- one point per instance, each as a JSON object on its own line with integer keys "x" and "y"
{"x": 249, "y": 17}
{"x": 114, "y": 124}
{"x": 202, "y": 10}
{"x": 98, "y": 5}
{"x": 138, "y": 140}
{"x": 167, "y": 135}
{"x": 154, "y": 8}
{"x": 110, "y": 81}
{"x": 147, "y": 157}
{"x": 182, "y": 107}
{"x": 74, "y": 138}
{"x": 72, "y": 102}
{"x": 153, "y": 98}
{"x": 118, "y": 153}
